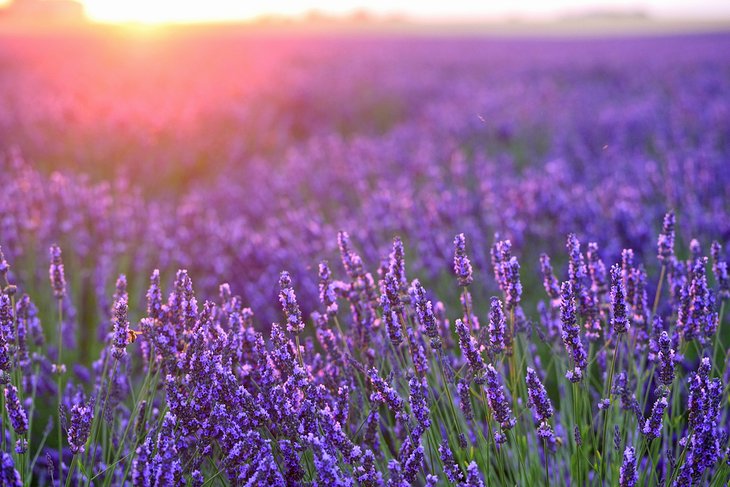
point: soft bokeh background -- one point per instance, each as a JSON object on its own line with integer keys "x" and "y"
{"x": 237, "y": 149}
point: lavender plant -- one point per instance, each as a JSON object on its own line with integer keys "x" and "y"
{"x": 201, "y": 395}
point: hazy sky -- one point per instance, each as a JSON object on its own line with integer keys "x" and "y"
{"x": 206, "y": 10}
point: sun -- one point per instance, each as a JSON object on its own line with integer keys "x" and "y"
{"x": 168, "y": 11}
{"x": 190, "y": 11}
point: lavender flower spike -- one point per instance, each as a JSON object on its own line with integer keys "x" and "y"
{"x": 497, "y": 326}
{"x": 538, "y": 396}
{"x": 513, "y": 291}
{"x": 462, "y": 266}
{"x": 473, "y": 477}
{"x": 665, "y": 244}
{"x": 56, "y": 273}
{"x": 620, "y": 319}
{"x": 80, "y": 427}
{"x": 541, "y": 404}
{"x": 9, "y": 475}
{"x": 497, "y": 400}
{"x": 627, "y": 477}
{"x": 451, "y": 467}
{"x": 653, "y": 426}
{"x": 154, "y": 297}
{"x": 550, "y": 282}
{"x": 327, "y": 295}
{"x": 470, "y": 349}
{"x": 666, "y": 359}
{"x": 570, "y": 333}
{"x": 121, "y": 328}
{"x": 16, "y": 413}
{"x": 288, "y": 300}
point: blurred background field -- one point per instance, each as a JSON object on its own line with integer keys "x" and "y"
{"x": 236, "y": 150}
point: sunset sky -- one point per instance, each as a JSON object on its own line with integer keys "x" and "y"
{"x": 161, "y": 11}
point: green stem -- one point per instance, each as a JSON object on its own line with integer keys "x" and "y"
{"x": 547, "y": 468}
{"x": 299, "y": 352}
{"x": 658, "y": 291}
{"x": 59, "y": 384}
{"x": 71, "y": 470}
{"x": 609, "y": 384}
{"x": 96, "y": 421}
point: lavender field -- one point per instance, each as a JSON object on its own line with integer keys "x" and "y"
{"x": 237, "y": 259}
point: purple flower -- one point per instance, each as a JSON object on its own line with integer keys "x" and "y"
{"x": 154, "y": 297}
{"x": 386, "y": 394}
{"x": 288, "y": 300}
{"x": 392, "y": 322}
{"x": 425, "y": 315}
{"x": 513, "y": 291}
{"x": 21, "y": 446}
{"x": 698, "y": 386}
{"x": 470, "y": 349}
{"x": 419, "y": 401}
{"x": 549, "y": 281}
{"x": 665, "y": 244}
{"x": 666, "y": 359}
{"x": 413, "y": 464}
{"x": 497, "y": 326}
{"x": 541, "y": 404}
{"x": 80, "y": 426}
{"x": 723, "y": 281}
{"x": 653, "y": 426}
{"x": 462, "y": 387}
{"x": 639, "y": 304}
{"x": 501, "y": 252}
{"x": 9, "y": 476}
{"x": 577, "y": 270}
{"x": 6, "y": 320}
{"x": 571, "y": 333}
{"x": 497, "y": 400}
{"x": 627, "y": 265}
{"x": 538, "y": 396}
{"x": 627, "y": 475}
{"x": 367, "y": 473}
{"x": 473, "y": 477}
{"x": 350, "y": 260}
{"x": 396, "y": 475}
{"x": 620, "y": 319}
{"x": 701, "y": 319}
{"x": 23, "y": 311}
{"x": 695, "y": 250}
{"x": 16, "y": 412}
{"x": 715, "y": 253}
{"x": 120, "y": 289}
{"x": 704, "y": 443}
{"x": 719, "y": 269}
{"x": 398, "y": 265}
{"x": 121, "y": 329}
{"x": 4, "y": 266}
{"x": 327, "y": 295}
{"x": 451, "y": 468}
{"x": 56, "y": 273}
{"x": 462, "y": 266}
{"x": 596, "y": 270}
